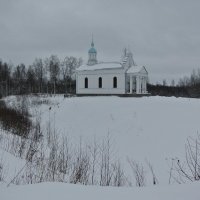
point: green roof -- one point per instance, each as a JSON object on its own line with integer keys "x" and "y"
{"x": 92, "y": 50}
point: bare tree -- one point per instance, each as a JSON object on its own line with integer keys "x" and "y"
{"x": 39, "y": 72}
{"x": 19, "y": 75}
{"x": 68, "y": 69}
{"x": 138, "y": 172}
{"x": 164, "y": 82}
{"x": 173, "y": 83}
{"x": 53, "y": 65}
{"x": 31, "y": 79}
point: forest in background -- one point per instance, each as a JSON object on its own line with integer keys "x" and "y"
{"x": 55, "y": 76}
{"x": 188, "y": 86}
{"x": 51, "y": 75}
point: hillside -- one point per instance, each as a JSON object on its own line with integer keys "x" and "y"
{"x": 148, "y": 128}
{"x": 145, "y": 130}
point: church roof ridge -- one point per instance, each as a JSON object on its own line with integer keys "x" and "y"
{"x": 101, "y": 65}
{"x": 109, "y": 62}
{"x": 136, "y": 69}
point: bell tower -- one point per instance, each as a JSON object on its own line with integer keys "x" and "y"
{"x": 92, "y": 55}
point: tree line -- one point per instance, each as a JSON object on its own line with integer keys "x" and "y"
{"x": 50, "y": 75}
{"x": 53, "y": 76}
{"x": 188, "y": 86}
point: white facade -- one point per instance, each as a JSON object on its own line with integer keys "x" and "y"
{"x": 111, "y": 77}
{"x": 107, "y": 81}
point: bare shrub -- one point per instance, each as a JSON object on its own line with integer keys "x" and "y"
{"x": 53, "y": 158}
{"x": 2, "y": 171}
{"x": 154, "y": 178}
{"x": 106, "y": 172}
{"x": 81, "y": 165}
{"x": 119, "y": 178}
{"x": 94, "y": 153}
{"x": 188, "y": 170}
{"x": 14, "y": 121}
{"x": 64, "y": 157}
{"x": 138, "y": 172}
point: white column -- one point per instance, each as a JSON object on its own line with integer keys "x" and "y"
{"x": 76, "y": 84}
{"x": 145, "y": 85}
{"x": 137, "y": 84}
{"x": 131, "y": 84}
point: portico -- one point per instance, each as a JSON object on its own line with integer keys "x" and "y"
{"x": 137, "y": 80}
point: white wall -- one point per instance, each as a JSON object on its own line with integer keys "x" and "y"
{"x": 107, "y": 81}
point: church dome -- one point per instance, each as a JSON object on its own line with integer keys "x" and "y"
{"x": 92, "y": 50}
{"x": 92, "y": 53}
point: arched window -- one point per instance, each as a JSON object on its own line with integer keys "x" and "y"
{"x": 115, "y": 82}
{"x": 86, "y": 82}
{"x": 100, "y": 82}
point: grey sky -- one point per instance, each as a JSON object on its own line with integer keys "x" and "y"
{"x": 163, "y": 35}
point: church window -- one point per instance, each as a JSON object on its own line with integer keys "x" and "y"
{"x": 115, "y": 82}
{"x": 86, "y": 82}
{"x": 100, "y": 82}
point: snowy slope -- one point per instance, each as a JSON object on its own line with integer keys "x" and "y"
{"x": 148, "y": 128}
{"x": 61, "y": 191}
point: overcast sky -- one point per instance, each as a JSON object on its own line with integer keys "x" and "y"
{"x": 164, "y": 35}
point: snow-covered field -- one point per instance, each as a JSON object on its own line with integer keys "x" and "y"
{"x": 148, "y": 128}
{"x": 153, "y": 129}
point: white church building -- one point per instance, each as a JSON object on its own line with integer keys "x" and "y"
{"x": 118, "y": 78}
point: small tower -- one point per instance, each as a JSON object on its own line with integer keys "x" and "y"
{"x": 127, "y": 59}
{"x": 92, "y": 55}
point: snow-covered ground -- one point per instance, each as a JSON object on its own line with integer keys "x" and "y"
{"x": 147, "y": 128}
{"x": 153, "y": 129}
{"x": 61, "y": 191}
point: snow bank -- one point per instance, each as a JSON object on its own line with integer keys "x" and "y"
{"x": 61, "y": 191}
